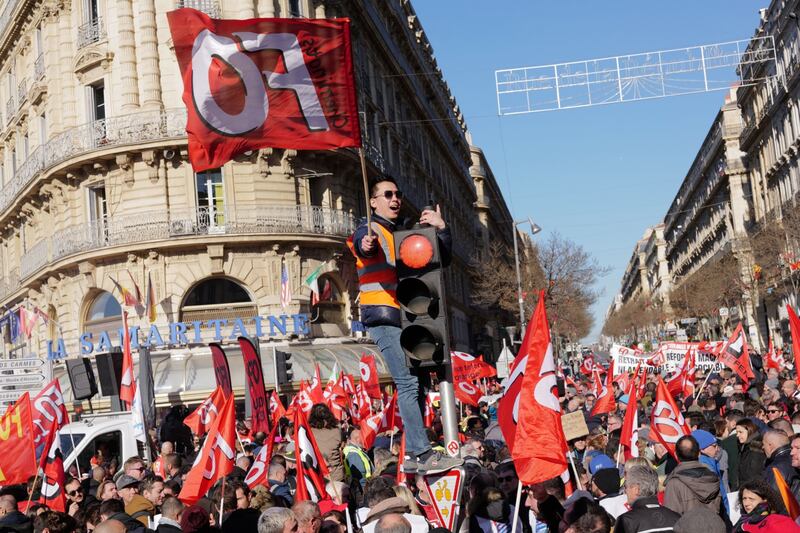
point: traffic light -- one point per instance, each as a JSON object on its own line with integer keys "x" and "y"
{"x": 283, "y": 366}
{"x": 420, "y": 292}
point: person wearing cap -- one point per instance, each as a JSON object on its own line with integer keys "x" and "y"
{"x": 709, "y": 449}
{"x": 692, "y": 484}
{"x": 605, "y": 485}
{"x": 136, "y": 506}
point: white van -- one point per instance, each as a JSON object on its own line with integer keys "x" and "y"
{"x": 110, "y": 435}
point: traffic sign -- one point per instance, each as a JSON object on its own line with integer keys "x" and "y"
{"x": 21, "y": 364}
{"x": 444, "y": 492}
{"x": 22, "y": 379}
{"x": 20, "y": 375}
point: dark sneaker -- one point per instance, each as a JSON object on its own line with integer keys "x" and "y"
{"x": 410, "y": 465}
{"x": 436, "y": 463}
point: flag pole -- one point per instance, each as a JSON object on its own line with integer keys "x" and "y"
{"x": 33, "y": 488}
{"x": 574, "y": 469}
{"x": 366, "y": 188}
{"x": 704, "y": 384}
{"x": 516, "y": 507}
{"x": 221, "y": 501}
{"x": 619, "y": 449}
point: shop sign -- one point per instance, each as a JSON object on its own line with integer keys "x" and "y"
{"x": 185, "y": 333}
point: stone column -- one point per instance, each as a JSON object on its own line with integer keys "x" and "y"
{"x": 266, "y": 8}
{"x": 247, "y": 10}
{"x": 66, "y": 36}
{"x": 127, "y": 56}
{"x": 148, "y": 56}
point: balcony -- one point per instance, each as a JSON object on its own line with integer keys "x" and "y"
{"x": 91, "y": 32}
{"x": 11, "y": 109}
{"x": 9, "y": 283}
{"x": 162, "y": 225}
{"x": 114, "y": 131}
{"x": 209, "y": 7}
{"x": 22, "y": 92}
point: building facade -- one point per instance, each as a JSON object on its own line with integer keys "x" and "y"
{"x": 97, "y": 191}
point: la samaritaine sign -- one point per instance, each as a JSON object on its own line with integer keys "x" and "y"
{"x": 185, "y": 333}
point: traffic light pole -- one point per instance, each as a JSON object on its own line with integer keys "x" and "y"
{"x": 449, "y": 412}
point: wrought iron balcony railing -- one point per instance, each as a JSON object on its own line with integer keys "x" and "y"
{"x": 91, "y": 32}
{"x": 209, "y": 7}
{"x": 38, "y": 68}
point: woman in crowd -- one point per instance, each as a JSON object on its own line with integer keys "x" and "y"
{"x": 751, "y": 455}
{"x": 760, "y": 507}
{"x": 328, "y": 435}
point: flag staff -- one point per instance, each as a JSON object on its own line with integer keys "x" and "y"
{"x": 366, "y": 188}
{"x": 516, "y": 507}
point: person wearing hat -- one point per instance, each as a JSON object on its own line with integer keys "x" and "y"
{"x": 136, "y": 506}
{"x": 691, "y": 484}
{"x": 605, "y": 485}
{"x": 709, "y": 450}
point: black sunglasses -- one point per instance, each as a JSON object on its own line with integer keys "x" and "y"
{"x": 389, "y": 194}
{"x": 75, "y": 492}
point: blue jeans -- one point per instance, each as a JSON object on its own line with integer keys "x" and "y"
{"x": 409, "y": 392}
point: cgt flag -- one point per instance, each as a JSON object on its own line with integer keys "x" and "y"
{"x": 201, "y": 419}
{"x": 605, "y": 400}
{"x": 794, "y": 327}
{"x": 49, "y": 416}
{"x": 735, "y": 355}
{"x": 529, "y": 414}
{"x": 683, "y": 380}
{"x": 311, "y": 467}
{"x": 257, "y": 83}
{"x": 215, "y": 460}
{"x": 666, "y": 421}
{"x": 386, "y": 420}
{"x": 369, "y": 376}
{"x": 629, "y": 436}
{"x": 18, "y": 457}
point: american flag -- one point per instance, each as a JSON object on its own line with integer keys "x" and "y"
{"x": 286, "y": 292}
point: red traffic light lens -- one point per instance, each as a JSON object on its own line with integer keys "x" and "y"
{"x": 416, "y": 251}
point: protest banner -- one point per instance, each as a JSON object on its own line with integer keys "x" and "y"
{"x": 574, "y": 425}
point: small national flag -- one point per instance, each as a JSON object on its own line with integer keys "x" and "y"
{"x": 27, "y": 321}
{"x": 137, "y": 292}
{"x": 286, "y": 291}
{"x": 150, "y": 301}
{"x": 127, "y": 298}
{"x": 312, "y": 281}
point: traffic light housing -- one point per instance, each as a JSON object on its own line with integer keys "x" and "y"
{"x": 420, "y": 293}
{"x": 283, "y": 367}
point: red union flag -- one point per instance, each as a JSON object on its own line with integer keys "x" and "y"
{"x": 18, "y": 459}
{"x": 529, "y": 414}
{"x": 735, "y": 355}
{"x": 794, "y": 328}
{"x": 249, "y": 84}
{"x": 605, "y": 400}
{"x": 201, "y": 418}
{"x": 467, "y": 367}
{"x": 369, "y": 375}
{"x": 666, "y": 421}
{"x": 467, "y": 393}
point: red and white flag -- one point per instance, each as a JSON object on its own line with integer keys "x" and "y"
{"x": 430, "y": 412}
{"x": 657, "y": 358}
{"x": 735, "y": 355}
{"x": 315, "y": 391}
{"x": 49, "y": 416}
{"x": 259, "y": 471}
{"x": 794, "y": 328}
{"x": 467, "y": 367}
{"x": 587, "y": 367}
{"x": 256, "y": 83}
{"x": 311, "y": 467}
{"x": 54, "y": 480}
{"x": 605, "y": 400}
{"x": 774, "y": 358}
{"x": 386, "y": 420}
{"x": 629, "y": 436}
{"x": 127, "y": 388}
{"x": 682, "y": 383}
{"x": 597, "y": 383}
{"x": 529, "y": 413}
{"x": 467, "y": 393}
{"x": 369, "y": 376}
{"x": 201, "y": 419}
{"x": 27, "y": 321}
{"x": 215, "y": 460}
{"x": 276, "y": 409}
{"x": 666, "y": 421}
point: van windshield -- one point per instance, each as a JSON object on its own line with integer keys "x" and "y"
{"x": 68, "y": 441}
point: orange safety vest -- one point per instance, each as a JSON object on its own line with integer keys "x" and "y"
{"x": 377, "y": 277}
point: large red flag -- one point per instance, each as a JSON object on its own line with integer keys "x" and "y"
{"x": 773, "y": 359}
{"x": 369, "y": 376}
{"x": 259, "y": 471}
{"x": 467, "y": 367}
{"x": 629, "y": 437}
{"x": 666, "y": 421}
{"x": 605, "y": 400}
{"x": 276, "y": 408}
{"x": 794, "y": 327}
{"x": 255, "y": 382}
{"x": 18, "y": 457}
{"x": 311, "y": 467}
{"x": 201, "y": 419}
{"x": 467, "y": 393}
{"x": 386, "y": 420}
{"x": 127, "y": 388}
{"x": 587, "y": 367}
{"x": 315, "y": 391}
{"x": 49, "y": 416}
{"x": 54, "y": 480}
{"x": 256, "y": 83}
{"x": 529, "y": 413}
{"x": 735, "y": 355}
{"x": 215, "y": 460}
{"x": 683, "y": 380}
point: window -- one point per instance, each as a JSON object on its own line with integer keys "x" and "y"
{"x": 42, "y": 129}
{"x": 219, "y": 299}
{"x": 103, "y": 314}
{"x": 216, "y": 291}
{"x": 91, "y": 10}
{"x": 98, "y": 212}
{"x": 26, "y": 147}
{"x": 97, "y": 101}
{"x": 327, "y": 309}
{"x": 210, "y": 199}
{"x": 295, "y": 8}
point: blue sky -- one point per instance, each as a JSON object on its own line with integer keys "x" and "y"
{"x": 598, "y": 175}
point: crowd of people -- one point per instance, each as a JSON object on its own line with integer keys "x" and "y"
{"x": 719, "y": 478}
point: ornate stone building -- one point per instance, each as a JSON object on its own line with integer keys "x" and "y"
{"x": 97, "y": 190}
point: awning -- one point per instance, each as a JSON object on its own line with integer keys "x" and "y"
{"x": 188, "y": 375}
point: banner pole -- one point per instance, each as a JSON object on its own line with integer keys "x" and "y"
{"x": 366, "y": 188}
{"x": 704, "y": 384}
{"x": 577, "y": 477}
{"x": 516, "y": 508}
{"x": 221, "y": 501}
{"x": 33, "y": 487}
{"x": 619, "y": 449}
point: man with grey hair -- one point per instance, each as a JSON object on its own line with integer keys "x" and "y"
{"x": 277, "y": 520}
{"x": 393, "y": 523}
{"x": 646, "y": 514}
{"x": 779, "y": 456}
{"x": 309, "y": 518}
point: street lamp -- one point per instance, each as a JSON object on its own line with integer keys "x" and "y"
{"x": 534, "y": 230}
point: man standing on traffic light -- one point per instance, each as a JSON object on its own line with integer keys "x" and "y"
{"x": 380, "y": 312}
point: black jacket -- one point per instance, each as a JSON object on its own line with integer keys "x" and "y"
{"x": 751, "y": 460}
{"x": 646, "y": 514}
{"x": 731, "y": 445}
{"x": 16, "y": 521}
{"x": 131, "y": 524}
{"x": 781, "y": 459}
{"x": 383, "y": 315}
{"x": 168, "y": 528}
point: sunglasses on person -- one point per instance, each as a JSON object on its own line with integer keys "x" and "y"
{"x": 774, "y": 411}
{"x": 75, "y": 492}
{"x": 389, "y": 194}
